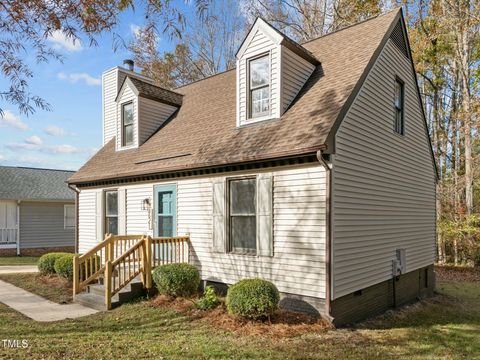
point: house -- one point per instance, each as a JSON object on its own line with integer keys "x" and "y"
{"x": 37, "y": 211}
{"x": 308, "y": 165}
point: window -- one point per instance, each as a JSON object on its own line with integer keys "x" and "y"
{"x": 127, "y": 124}
{"x": 399, "y": 125}
{"x": 259, "y": 73}
{"x": 242, "y": 216}
{"x": 69, "y": 216}
{"x": 111, "y": 212}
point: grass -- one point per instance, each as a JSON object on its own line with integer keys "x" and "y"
{"x": 18, "y": 260}
{"x": 52, "y": 287}
{"x": 444, "y": 327}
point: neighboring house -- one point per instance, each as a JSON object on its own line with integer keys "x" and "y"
{"x": 37, "y": 211}
{"x": 307, "y": 165}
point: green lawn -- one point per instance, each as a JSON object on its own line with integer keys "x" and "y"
{"x": 444, "y": 327}
{"x": 52, "y": 287}
{"x": 18, "y": 260}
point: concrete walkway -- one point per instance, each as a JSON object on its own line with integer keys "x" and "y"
{"x": 10, "y": 269}
{"x": 38, "y": 308}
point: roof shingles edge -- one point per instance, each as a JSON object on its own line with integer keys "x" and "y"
{"x": 205, "y": 124}
{"x": 153, "y": 92}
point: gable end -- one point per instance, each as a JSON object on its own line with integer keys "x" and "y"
{"x": 398, "y": 37}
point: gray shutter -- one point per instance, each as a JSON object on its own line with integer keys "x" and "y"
{"x": 265, "y": 214}
{"x": 122, "y": 211}
{"x": 99, "y": 216}
{"x": 219, "y": 204}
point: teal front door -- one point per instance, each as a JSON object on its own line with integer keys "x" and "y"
{"x": 165, "y": 210}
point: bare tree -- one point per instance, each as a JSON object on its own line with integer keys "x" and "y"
{"x": 26, "y": 26}
{"x": 206, "y": 46}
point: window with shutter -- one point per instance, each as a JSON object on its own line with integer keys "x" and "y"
{"x": 243, "y": 215}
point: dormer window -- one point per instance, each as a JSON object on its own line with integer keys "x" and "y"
{"x": 259, "y": 73}
{"x": 271, "y": 71}
{"x": 127, "y": 124}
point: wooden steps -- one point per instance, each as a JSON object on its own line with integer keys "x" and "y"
{"x": 94, "y": 294}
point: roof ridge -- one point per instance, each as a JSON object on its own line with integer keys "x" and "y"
{"x": 34, "y": 168}
{"x": 151, "y": 84}
{"x": 352, "y": 25}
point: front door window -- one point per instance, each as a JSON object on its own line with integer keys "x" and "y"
{"x": 165, "y": 211}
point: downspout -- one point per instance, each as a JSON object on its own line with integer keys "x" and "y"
{"x": 77, "y": 192}
{"x": 18, "y": 227}
{"x": 328, "y": 233}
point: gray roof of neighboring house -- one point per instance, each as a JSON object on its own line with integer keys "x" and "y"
{"x": 22, "y": 183}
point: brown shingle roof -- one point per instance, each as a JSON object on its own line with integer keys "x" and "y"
{"x": 203, "y": 132}
{"x": 154, "y": 92}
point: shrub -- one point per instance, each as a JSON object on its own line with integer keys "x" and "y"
{"x": 252, "y": 298}
{"x": 176, "y": 279}
{"x": 209, "y": 299}
{"x": 64, "y": 266}
{"x": 46, "y": 263}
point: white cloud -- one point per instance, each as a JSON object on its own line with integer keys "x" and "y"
{"x": 34, "y": 140}
{"x": 135, "y": 29}
{"x": 44, "y": 163}
{"x": 76, "y": 77}
{"x": 10, "y": 119}
{"x": 62, "y": 42}
{"x": 2, "y": 157}
{"x": 35, "y": 143}
{"x": 55, "y": 130}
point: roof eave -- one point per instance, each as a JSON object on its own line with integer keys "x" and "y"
{"x": 253, "y": 159}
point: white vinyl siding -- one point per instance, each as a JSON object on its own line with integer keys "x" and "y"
{"x": 295, "y": 73}
{"x": 298, "y": 262}
{"x": 383, "y": 183}
{"x": 87, "y": 219}
{"x": 111, "y": 82}
{"x": 139, "y": 221}
{"x": 127, "y": 96}
{"x": 152, "y": 115}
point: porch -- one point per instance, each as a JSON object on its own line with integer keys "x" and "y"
{"x": 9, "y": 225}
{"x": 120, "y": 267}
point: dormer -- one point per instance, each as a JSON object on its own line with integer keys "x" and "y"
{"x": 133, "y": 107}
{"x": 141, "y": 109}
{"x": 271, "y": 70}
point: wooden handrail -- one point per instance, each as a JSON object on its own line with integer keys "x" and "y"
{"x": 97, "y": 247}
{"x": 121, "y": 258}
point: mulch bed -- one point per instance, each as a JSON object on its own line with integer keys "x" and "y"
{"x": 282, "y": 323}
{"x": 457, "y": 273}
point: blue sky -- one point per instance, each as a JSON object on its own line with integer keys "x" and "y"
{"x": 67, "y": 136}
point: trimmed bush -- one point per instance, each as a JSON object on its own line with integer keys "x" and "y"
{"x": 64, "y": 266}
{"x": 252, "y": 298}
{"x": 46, "y": 263}
{"x": 209, "y": 299}
{"x": 177, "y": 279}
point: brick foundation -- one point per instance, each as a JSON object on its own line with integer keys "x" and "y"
{"x": 36, "y": 251}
